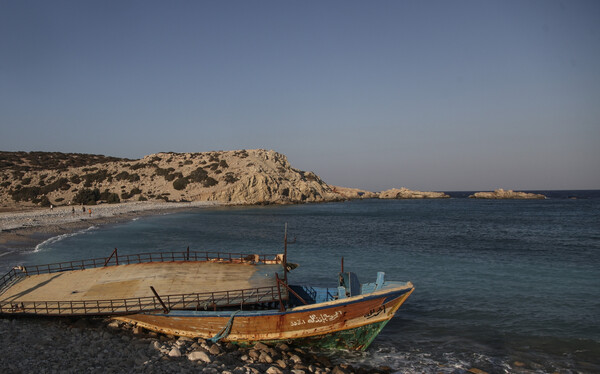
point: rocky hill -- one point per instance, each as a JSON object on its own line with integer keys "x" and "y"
{"x": 242, "y": 177}
{"x": 32, "y": 179}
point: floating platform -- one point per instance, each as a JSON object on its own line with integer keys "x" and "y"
{"x": 142, "y": 282}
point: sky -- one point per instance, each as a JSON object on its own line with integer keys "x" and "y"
{"x": 429, "y": 95}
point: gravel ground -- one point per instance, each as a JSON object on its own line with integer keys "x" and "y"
{"x": 104, "y": 346}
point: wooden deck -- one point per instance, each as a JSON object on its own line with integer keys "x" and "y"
{"x": 133, "y": 281}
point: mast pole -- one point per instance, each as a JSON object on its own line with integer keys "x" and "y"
{"x": 285, "y": 243}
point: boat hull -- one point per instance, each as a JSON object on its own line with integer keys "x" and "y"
{"x": 348, "y": 323}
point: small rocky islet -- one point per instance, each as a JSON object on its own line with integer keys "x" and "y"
{"x": 507, "y": 194}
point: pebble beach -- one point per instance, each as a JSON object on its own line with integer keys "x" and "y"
{"x": 104, "y": 346}
{"x": 23, "y": 229}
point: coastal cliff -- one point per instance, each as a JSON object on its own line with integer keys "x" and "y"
{"x": 239, "y": 177}
{"x": 506, "y": 194}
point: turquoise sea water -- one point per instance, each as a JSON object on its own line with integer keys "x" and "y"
{"x": 503, "y": 286}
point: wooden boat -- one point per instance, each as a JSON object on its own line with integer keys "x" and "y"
{"x": 329, "y": 319}
{"x": 229, "y": 297}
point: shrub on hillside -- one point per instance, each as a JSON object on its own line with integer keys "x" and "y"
{"x": 208, "y": 182}
{"x": 180, "y": 183}
{"x": 128, "y": 177}
{"x": 171, "y": 177}
{"x": 25, "y": 193}
{"x": 198, "y": 175}
{"x": 141, "y": 165}
{"x": 87, "y": 196}
{"x": 44, "y": 201}
{"x": 97, "y": 177}
{"x": 241, "y": 154}
{"x": 59, "y": 184}
{"x": 230, "y": 178}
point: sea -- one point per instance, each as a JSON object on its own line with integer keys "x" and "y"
{"x": 501, "y": 286}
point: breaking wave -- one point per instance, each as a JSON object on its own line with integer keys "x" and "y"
{"x": 58, "y": 238}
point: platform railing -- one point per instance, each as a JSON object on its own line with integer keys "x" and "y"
{"x": 193, "y": 301}
{"x": 18, "y": 272}
{"x": 138, "y": 258}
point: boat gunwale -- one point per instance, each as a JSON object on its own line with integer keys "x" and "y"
{"x": 394, "y": 293}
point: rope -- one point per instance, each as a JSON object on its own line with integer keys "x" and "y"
{"x": 225, "y": 330}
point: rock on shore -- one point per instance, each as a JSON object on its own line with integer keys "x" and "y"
{"x": 506, "y": 194}
{"x": 405, "y": 193}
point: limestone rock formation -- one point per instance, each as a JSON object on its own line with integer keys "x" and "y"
{"x": 504, "y": 194}
{"x": 405, "y": 193}
{"x": 353, "y": 193}
{"x": 241, "y": 177}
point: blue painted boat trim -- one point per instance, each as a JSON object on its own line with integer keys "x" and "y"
{"x": 260, "y": 313}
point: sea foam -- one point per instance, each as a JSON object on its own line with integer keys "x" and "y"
{"x": 58, "y": 238}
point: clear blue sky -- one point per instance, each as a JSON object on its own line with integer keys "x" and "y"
{"x": 431, "y": 95}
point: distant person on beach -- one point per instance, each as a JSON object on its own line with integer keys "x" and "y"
{"x": 51, "y": 206}
{"x": 83, "y": 209}
{"x": 90, "y": 211}
{"x": 73, "y": 210}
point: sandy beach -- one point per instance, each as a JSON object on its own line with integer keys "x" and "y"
{"x": 27, "y": 228}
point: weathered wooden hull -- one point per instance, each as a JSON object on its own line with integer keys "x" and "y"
{"x": 347, "y": 323}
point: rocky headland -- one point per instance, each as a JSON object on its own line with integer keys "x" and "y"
{"x": 237, "y": 177}
{"x": 258, "y": 176}
{"x": 506, "y": 194}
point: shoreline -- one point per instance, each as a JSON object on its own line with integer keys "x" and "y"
{"x": 25, "y": 229}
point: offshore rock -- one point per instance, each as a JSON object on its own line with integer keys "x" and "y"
{"x": 405, "y": 193}
{"x": 506, "y": 194}
{"x": 353, "y": 193}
